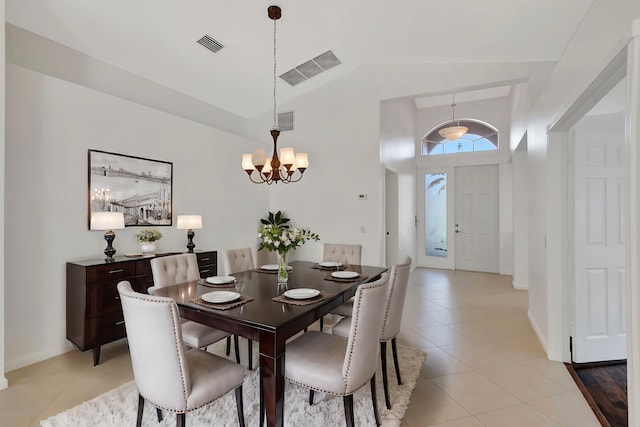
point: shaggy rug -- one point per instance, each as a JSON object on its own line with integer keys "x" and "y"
{"x": 118, "y": 407}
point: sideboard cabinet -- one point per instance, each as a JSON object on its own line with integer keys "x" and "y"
{"x": 94, "y": 313}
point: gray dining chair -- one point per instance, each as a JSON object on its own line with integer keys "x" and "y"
{"x": 235, "y": 261}
{"x": 166, "y": 375}
{"x": 345, "y": 254}
{"x": 340, "y": 367}
{"x": 173, "y": 269}
{"x": 393, "y": 308}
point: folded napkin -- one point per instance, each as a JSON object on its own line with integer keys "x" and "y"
{"x": 322, "y": 267}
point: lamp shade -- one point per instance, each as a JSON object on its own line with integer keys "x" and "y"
{"x": 453, "y": 132}
{"x": 189, "y": 222}
{"x": 107, "y": 221}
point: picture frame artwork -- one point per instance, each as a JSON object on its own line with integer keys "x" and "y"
{"x": 139, "y": 188}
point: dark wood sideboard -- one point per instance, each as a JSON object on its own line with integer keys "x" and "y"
{"x": 94, "y": 313}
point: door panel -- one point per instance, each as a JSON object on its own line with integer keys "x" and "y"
{"x": 600, "y": 288}
{"x": 476, "y": 219}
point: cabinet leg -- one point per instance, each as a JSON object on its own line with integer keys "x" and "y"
{"x": 96, "y": 356}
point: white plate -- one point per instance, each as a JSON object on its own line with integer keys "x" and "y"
{"x": 301, "y": 293}
{"x": 331, "y": 264}
{"x": 220, "y": 280}
{"x": 344, "y": 274}
{"x": 273, "y": 267}
{"x": 217, "y": 297}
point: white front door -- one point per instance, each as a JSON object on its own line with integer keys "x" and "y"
{"x": 600, "y": 283}
{"x": 476, "y": 221}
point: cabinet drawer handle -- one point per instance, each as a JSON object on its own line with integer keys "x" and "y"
{"x": 117, "y": 296}
{"x": 120, "y": 323}
{"x": 116, "y": 271}
{"x": 204, "y": 259}
{"x": 205, "y": 271}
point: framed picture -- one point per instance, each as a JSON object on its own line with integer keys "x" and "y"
{"x": 139, "y": 188}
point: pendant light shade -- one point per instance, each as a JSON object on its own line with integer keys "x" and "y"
{"x": 454, "y": 131}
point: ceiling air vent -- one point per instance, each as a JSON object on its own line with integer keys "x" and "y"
{"x": 210, "y": 43}
{"x": 311, "y": 68}
{"x": 285, "y": 121}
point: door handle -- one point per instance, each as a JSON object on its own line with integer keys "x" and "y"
{"x": 457, "y": 231}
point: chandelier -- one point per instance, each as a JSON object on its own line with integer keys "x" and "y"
{"x": 453, "y": 132}
{"x": 277, "y": 169}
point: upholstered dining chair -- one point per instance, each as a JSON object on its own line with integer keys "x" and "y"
{"x": 336, "y": 366}
{"x": 172, "y": 269}
{"x": 394, "y": 306}
{"x": 235, "y": 261}
{"x": 166, "y": 375}
{"x": 346, "y": 254}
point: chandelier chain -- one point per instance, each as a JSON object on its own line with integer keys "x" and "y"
{"x": 275, "y": 126}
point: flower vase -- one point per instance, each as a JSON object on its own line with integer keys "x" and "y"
{"x": 147, "y": 247}
{"x": 283, "y": 274}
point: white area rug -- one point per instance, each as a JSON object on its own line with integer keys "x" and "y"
{"x": 118, "y": 407}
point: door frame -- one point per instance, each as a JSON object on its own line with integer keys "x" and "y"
{"x": 624, "y": 59}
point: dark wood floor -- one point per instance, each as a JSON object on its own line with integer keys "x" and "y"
{"x": 604, "y": 385}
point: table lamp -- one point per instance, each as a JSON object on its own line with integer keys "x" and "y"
{"x": 108, "y": 221}
{"x": 189, "y": 223}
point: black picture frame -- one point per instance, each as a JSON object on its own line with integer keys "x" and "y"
{"x": 140, "y": 188}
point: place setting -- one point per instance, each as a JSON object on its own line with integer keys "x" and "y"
{"x": 218, "y": 282}
{"x": 345, "y": 276}
{"x": 224, "y": 300}
{"x": 270, "y": 269}
{"x": 301, "y": 296}
{"x": 330, "y": 265}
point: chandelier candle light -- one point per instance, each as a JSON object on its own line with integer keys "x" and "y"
{"x": 453, "y": 132}
{"x": 278, "y": 169}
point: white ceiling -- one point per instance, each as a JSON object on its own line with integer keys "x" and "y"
{"x": 157, "y": 38}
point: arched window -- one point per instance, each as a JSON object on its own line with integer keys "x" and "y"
{"x": 480, "y": 137}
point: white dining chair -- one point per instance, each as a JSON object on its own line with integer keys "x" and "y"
{"x": 333, "y": 365}
{"x": 393, "y": 308}
{"x": 166, "y": 375}
{"x": 235, "y": 261}
{"x": 173, "y": 269}
{"x": 344, "y": 253}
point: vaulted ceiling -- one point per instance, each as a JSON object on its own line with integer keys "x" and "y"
{"x": 157, "y": 39}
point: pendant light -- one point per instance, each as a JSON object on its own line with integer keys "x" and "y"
{"x": 454, "y": 131}
{"x": 277, "y": 169}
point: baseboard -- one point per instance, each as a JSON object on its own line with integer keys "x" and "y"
{"x": 3, "y": 383}
{"x": 520, "y": 286}
{"x": 36, "y": 357}
{"x": 533, "y": 324}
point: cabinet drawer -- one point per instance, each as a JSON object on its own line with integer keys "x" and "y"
{"x": 103, "y": 329}
{"x": 206, "y": 258}
{"x": 102, "y": 298}
{"x": 143, "y": 267}
{"x": 111, "y": 272}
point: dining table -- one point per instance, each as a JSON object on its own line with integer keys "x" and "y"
{"x": 265, "y": 314}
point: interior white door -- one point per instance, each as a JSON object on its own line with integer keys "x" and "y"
{"x": 391, "y": 217}
{"x": 476, "y": 218}
{"x": 600, "y": 283}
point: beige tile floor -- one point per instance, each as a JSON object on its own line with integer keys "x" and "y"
{"x": 484, "y": 364}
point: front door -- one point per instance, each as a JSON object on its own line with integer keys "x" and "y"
{"x": 476, "y": 219}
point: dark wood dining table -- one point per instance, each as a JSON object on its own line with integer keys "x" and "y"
{"x": 268, "y": 322}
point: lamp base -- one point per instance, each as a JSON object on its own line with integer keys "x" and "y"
{"x": 190, "y": 245}
{"x": 110, "y": 250}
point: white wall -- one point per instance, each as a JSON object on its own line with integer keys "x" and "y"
{"x": 602, "y": 31}
{"x": 496, "y": 113}
{"x": 397, "y": 152}
{"x": 3, "y": 380}
{"x": 339, "y": 126}
{"x": 51, "y": 124}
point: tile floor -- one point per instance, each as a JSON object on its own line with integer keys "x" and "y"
{"x": 484, "y": 364}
